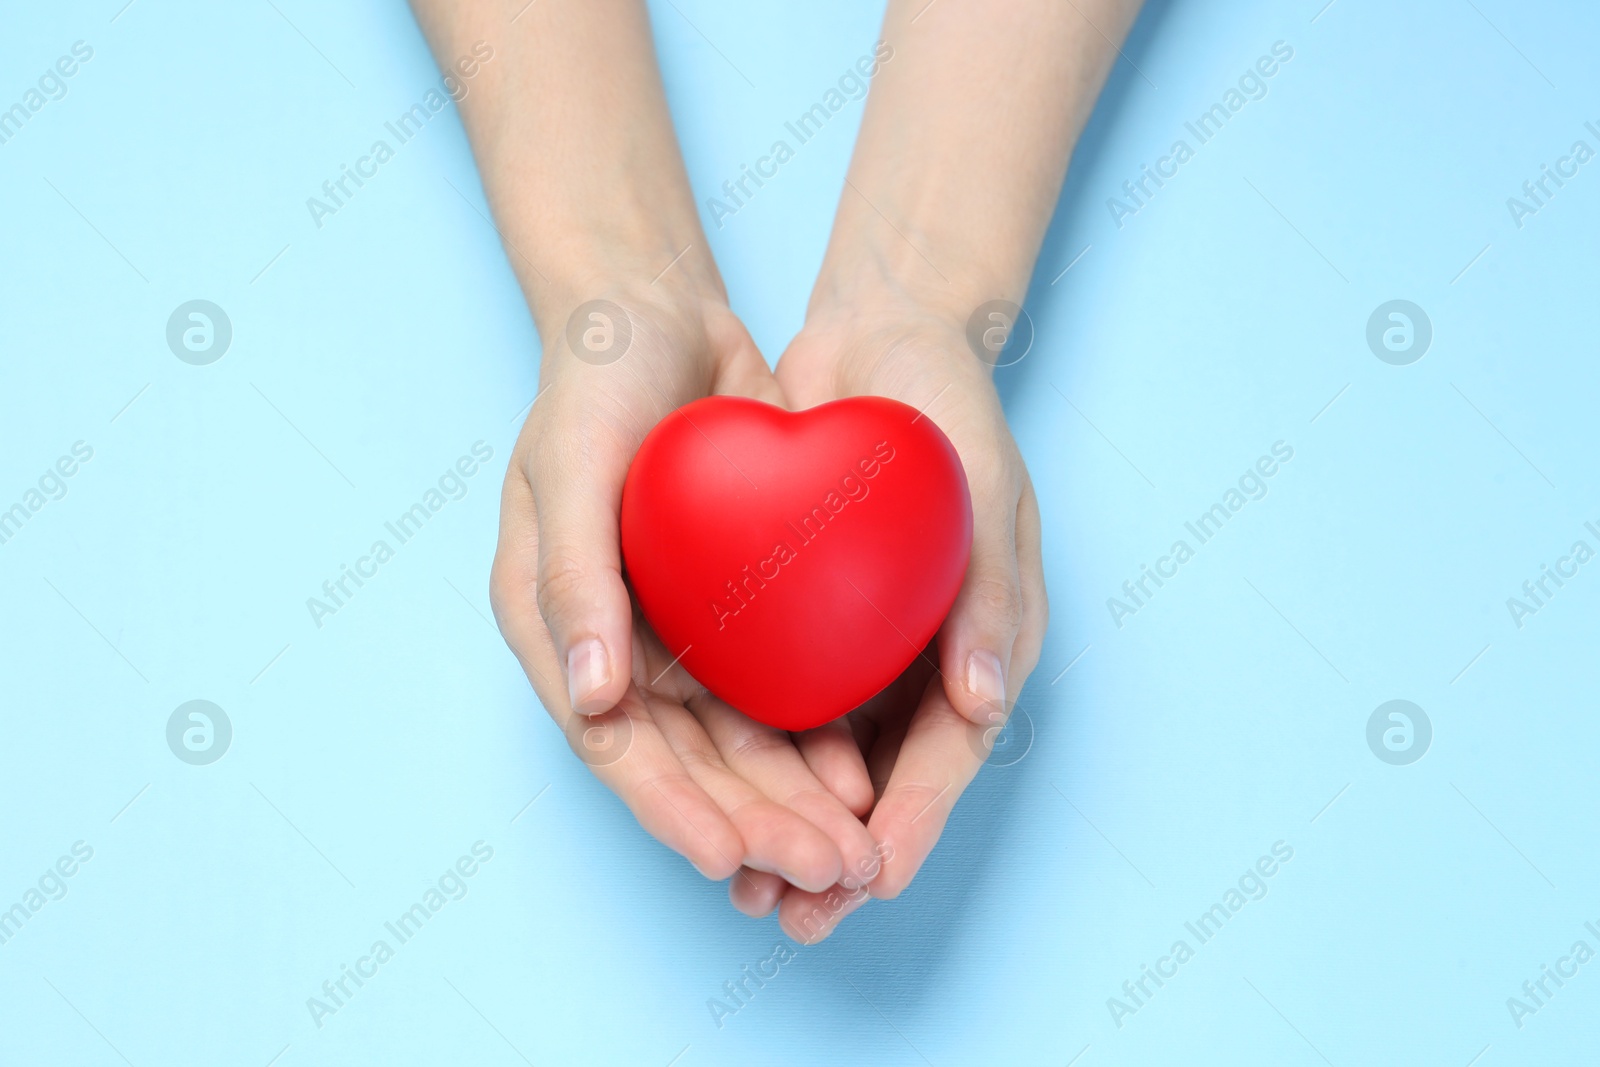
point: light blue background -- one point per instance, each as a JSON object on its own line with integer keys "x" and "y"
{"x": 1225, "y": 716}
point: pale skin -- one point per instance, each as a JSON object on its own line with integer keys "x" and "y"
{"x": 963, "y": 147}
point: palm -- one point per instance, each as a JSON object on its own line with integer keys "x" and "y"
{"x": 723, "y": 790}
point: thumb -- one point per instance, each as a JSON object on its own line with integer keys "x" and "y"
{"x": 577, "y": 469}
{"x": 975, "y": 643}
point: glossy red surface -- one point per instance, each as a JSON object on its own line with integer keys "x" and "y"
{"x": 799, "y": 561}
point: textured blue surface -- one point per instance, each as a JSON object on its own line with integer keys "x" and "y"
{"x": 1227, "y": 714}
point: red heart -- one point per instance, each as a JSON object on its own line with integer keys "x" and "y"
{"x": 796, "y": 561}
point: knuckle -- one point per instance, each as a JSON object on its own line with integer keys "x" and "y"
{"x": 998, "y": 601}
{"x": 511, "y": 600}
{"x": 812, "y": 798}
{"x": 503, "y": 586}
{"x": 915, "y": 801}
{"x": 699, "y": 757}
{"x": 758, "y": 818}
{"x": 662, "y": 783}
{"x": 757, "y": 744}
{"x": 562, "y": 579}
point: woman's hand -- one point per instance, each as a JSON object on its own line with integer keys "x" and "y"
{"x": 728, "y": 793}
{"x": 963, "y": 147}
{"x": 925, "y": 738}
{"x": 592, "y": 202}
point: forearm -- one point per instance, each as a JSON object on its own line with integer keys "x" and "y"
{"x": 964, "y": 146}
{"x": 575, "y": 147}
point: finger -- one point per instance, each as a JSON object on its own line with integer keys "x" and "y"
{"x": 1035, "y": 601}
{"x": 992, "y": 717}
{"x": 776, "y": 838}
{"x": 768, "y": 760}
{"x": 883, "y": 755}
{"x": 577, "y": 467}
{"x": 647, "y": 775}
{"x": 756, "y": 893}
{"x": 810, "y": 917}
{"x": 512, "y": 585}
{"x": 880, "y": 724}
{"x": 975, "y": 641}
{"x": 937, "y": 760}
{"x": 834, "y": 757}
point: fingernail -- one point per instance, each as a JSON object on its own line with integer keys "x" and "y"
{"x": 588, "y": 670}
{"x": 985, "y": 679}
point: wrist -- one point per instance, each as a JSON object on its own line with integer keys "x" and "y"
{"x": 571, "y": 239}
{"x": 656, "y": 269}
{"x": 929, "y": 270}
